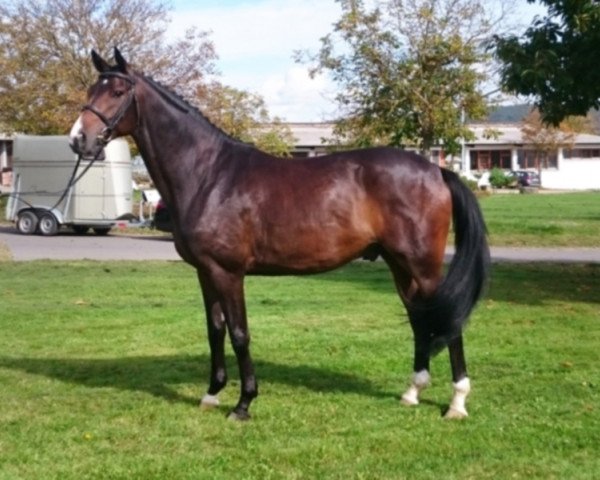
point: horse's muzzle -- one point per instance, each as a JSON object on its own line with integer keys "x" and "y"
{"x": 88, "y": 149}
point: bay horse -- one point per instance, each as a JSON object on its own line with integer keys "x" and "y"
{"x": 237, "y": 210}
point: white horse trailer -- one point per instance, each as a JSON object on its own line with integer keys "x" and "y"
{"x": 44, "y": 196}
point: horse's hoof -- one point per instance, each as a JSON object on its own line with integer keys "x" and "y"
{"x": 238, "y": 416}
{"x": 456, "y": 414}
{"x": 209, "y": 402}
{"x": 409, "y": 400}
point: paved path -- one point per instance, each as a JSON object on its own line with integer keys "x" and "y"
{"x": 539, "y": 254}
{"x": 67, "y": 246}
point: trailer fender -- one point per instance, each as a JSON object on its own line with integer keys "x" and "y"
{"x": 59, "y": 215}
{"x": 40, "y": 210}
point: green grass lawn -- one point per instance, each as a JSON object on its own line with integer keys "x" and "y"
{"x": 102, "y": 366}
{"x": 547, "y": 220}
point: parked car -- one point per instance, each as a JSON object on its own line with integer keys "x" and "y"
{"x": 162, "y": 217}
{"x": 526, "y": 178}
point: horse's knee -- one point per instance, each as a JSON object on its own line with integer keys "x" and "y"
{"x": 240, "y": 340}
{"x": 218, "y": 380}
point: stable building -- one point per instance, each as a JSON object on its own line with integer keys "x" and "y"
{"x": 575, "y": 168}
{"x": 495, "y": 146}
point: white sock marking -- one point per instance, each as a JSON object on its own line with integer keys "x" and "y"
{"x": 420, "y": 381}
{"x": 461, "y": 390}
{"x": 210, "y": 400}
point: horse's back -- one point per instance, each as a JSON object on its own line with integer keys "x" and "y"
{"x": 367, "y": 166}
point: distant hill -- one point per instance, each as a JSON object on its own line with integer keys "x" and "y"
{"x": 509, "y": 113}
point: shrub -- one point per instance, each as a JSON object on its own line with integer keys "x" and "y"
{"x": 498, "y": 179}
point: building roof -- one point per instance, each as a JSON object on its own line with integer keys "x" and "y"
{"x": 312, "y": 135}
{"x": 510, "y": 134}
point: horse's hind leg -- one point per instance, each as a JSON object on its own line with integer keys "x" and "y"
{"x": 421, "y": 378}
{"x": 407, "y": 289}
{"x": 460, "y": 380}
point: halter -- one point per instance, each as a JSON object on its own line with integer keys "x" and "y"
{"x": 111, "y": 123}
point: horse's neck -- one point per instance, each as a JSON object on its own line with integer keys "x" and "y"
{"x": 178, "y": 148}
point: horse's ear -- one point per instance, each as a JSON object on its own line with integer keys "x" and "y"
{"x": 121, "y": 62}
{"x": 99, "y": 62}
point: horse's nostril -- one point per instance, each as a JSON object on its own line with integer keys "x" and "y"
{"x": 81, "y": 142}
{"x": 77, "y": 143}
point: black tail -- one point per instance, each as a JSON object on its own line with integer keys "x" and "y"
{"x": 448, "y": 310}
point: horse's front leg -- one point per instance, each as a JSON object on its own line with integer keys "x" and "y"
{"x": 215, "y": 321}
{"x": 229, "y": 289}
{"x": 460, "y": 380}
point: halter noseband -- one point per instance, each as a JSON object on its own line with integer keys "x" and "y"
{"x": 111, "y": 123}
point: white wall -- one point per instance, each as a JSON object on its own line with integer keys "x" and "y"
{"x": 573, "y": 174}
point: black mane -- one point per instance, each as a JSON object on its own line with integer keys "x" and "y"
{"x": 184, "y": 105}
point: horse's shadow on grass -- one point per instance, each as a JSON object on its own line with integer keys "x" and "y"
{"x": 160, "y": 375}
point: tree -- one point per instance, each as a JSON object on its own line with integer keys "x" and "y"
{"x": 45, "y": 57}
{"x": 44, "y": 54}
{"x": 556, "y": 59}
{"x": 244, "y": 116}
{"x": 546, "y": 139}
{"x": 409, "y": 70}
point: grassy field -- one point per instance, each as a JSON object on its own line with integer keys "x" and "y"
{"x": 102, "y": 364}
{"x": 5, "y": 254}
{"x": 549, "y": 220}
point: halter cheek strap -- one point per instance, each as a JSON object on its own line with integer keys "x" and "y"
{"x": 111, "y": 123}
{"x": 91, "y": 108}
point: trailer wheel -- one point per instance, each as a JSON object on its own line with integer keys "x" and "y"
{"x": 101, "y": 230}
{"x": 27, "y": 222}
{"x": 48, "y": 224}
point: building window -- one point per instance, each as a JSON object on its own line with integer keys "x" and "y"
{"x": 582, "y": 153}
{"x": 535, "y": 160}
{"x": 488, "y": 159}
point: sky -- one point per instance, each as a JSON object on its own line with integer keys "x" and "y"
{"x": 256, "y": 39}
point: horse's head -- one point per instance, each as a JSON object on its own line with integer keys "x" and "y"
{"x": 110, "y": 111}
